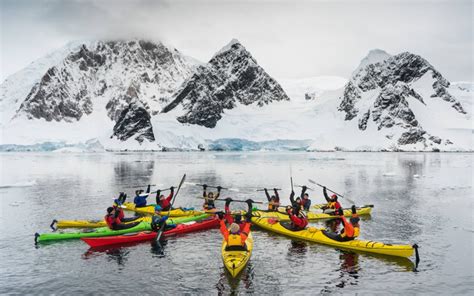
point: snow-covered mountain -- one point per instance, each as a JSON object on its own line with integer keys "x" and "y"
{"x": 90, "y": 86}
{"x": 230, "y": 78}
{"x": 393, "y": 94}
{"x": 141, "y": 95}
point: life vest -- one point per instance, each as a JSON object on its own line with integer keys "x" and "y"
{"x": 111, "y": 221}
{"x": 165, "y": 204}
{"x": 235, "y": 240}
{"x": 351, "y": 232}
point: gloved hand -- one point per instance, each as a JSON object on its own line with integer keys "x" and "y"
{"x": 219, "y": 188}
{"x": 304, "y": 188}
{"x": 248, "y": 216}
{"x": 354, "y": 210}
{"x": 164, "y": 218}
{"x": 204, "y": 186}
{"x": 220, "y": 215}
{"x": 172, "y": 188}
{"x": 158, "y": 193}
{"x": 249, "y": 203}
{"x": 228, "y": 201}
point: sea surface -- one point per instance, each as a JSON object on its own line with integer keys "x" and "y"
{"x": 423, "y": 198}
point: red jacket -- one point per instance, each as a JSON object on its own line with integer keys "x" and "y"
{"x": 165, "y": 204}
{"x": 230, "y": 219}
{"x": 298, "y": 222}
{"x": 111, "y": 221}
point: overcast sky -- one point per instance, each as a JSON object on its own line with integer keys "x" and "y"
{"x": 290, "y": 39}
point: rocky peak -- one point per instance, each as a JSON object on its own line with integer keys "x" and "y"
{"x": 110, "y": 71}
{"x": 383, "y": 87}
{"x": 231, "y": 77}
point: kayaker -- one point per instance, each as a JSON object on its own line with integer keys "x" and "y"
{"x": 140, "y": 199}
{"x": 157, "y": 222}
{"x": 351, "y": 229}
{"x": 229, "y": 217}
{"x": 234, "y": 236}
{"x": 305, "y": 201}
{"x": 121, "y": 215}
{"x": 164, "y": 202}
{"x": 113, "y": 221}
{"x": 298, "y": 219}
{"x": 273, "y": 201}
{"x": 332, "y": 205}
{"x": 209, "y": 198}
{"x": 297, "y": 203}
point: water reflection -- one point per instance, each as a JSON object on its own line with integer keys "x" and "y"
{"x": 114, "y": 254}
{"x": 133, "y": 173}
{"x": 235, "y": 285}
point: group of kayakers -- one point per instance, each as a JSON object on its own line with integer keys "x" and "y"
{"x": 240, "y": 227}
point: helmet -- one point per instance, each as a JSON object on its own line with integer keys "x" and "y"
{"x": 234, "y": 228}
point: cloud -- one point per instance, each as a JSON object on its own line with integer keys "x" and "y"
{"x": 288, "y": 38}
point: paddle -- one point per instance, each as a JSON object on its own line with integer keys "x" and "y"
{"x": 160, "y": 231}
{"x": 322, "y": 186}
{"x": 301, "y": 186}
{"x": 277, "y": 189}
{"x": 237, "y": 200}
{"x": 202, "y": 185}
{"x": 291, "y": 178}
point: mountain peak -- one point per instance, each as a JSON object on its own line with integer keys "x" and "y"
{"x": 230, "y": 78}
{"x": 232, "y": 45}
{"x": 374, "y": 56}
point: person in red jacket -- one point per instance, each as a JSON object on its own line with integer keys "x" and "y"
{"x": 299, "y": 221}
{"x": 235, "y": 236}
{"x": 113, "y": 221}
{"x": 164, "y": 202}
{"x": 229, "y": 217}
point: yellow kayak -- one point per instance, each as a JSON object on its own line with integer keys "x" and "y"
{"x": 101, "y": 223}
{"x": 150, "y": 210}
{"x": 235, "y": 261}
{"x": 316, "y": 235}
{"x": 283, "y": 216}
{"x": 91, "y": 223}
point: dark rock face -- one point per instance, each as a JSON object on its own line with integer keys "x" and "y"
{"x": 134, "y": 121}
{"x": 232, "y": 76}
{"x": 389, "y": 84}
{"x": 54, "y": 101}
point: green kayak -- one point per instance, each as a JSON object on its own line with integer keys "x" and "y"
{"x": 105, "y": 231}
{"x": 97, "y": 232}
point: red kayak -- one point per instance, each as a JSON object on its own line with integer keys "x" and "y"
{"x": 142, "y": 236}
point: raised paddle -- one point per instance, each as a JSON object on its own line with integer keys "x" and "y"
{"x": 160, "y": 231}
{"x": 322, "y": 186}
{"x": 277, "y": 189}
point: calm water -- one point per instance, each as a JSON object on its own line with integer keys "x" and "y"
{"x": 419, "y": 198}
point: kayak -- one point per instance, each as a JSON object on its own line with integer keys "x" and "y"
{"x": 236, "y": 260}
{"x": 150, "y": 210}
{"x": 316, "y": 235}
{"x": 101, "y": 223}
{"x": 283, "y": 216}
{"x": 97, "y": 232}
{"x": 142, "y": 236}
